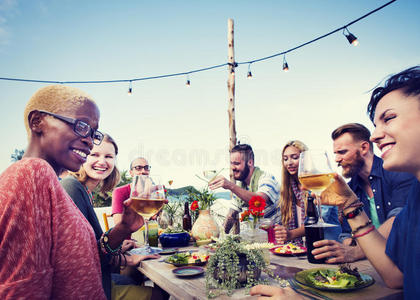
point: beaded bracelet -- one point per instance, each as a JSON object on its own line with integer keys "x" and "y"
{"x": 104, "y": 242}
{"x": 361, "y": 226}
{"x": 355, "y": 204}
{"x": 354, "y": 213}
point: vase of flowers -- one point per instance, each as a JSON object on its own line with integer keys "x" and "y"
{"x": 251, "y": 219}
{"x": 204, "y": 227}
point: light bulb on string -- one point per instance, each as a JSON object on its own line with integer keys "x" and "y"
{"x": 130, "y": 89}
{"x": 249, "y": 72}
{"x": 188, "y": 82}
{"x": 285, "y": 65}
{"x": 350, "y": 37}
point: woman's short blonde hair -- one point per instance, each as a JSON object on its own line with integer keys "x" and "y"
{"x": 286, "y": 191}
{"x": 55, "y": 99}
{"x": 108, "y": 183}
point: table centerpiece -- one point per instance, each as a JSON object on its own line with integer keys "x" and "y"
{"x": 236, "y": 263}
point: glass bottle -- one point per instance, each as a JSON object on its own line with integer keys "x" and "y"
{"x": 186, "y": 219}
{"x": 313, "y": 232}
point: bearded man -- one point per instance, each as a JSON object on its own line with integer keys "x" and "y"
{"x": 382, "y": 192}
{"x": 252, "y": 181}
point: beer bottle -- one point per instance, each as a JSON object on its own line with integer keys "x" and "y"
{"x": 313, "y": 232}
{"x": 186, "y": 219}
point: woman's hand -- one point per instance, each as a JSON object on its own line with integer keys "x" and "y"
{"x": 130, "y": 219}
{"x": 338, "y": 193}
{"x": 281, "y": 234}
{"x": 135, "y": 259}
{"x": 274, "y": 293}
{"x": 128, "y": 245}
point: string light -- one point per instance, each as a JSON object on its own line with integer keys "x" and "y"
{"x": 188, "y": 82}
{"x": 249, "y": 72}
{"x": 285, "y": 65}
{"x": 350, "y": 37}
{"x": 130, "y": 89}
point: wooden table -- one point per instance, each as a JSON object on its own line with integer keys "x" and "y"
{"x": 195, "y": 288}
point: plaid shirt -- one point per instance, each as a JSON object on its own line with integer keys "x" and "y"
{"x": 293, "y": 222}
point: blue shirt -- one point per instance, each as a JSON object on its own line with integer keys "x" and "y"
{"x": 403, "y": 245}
{"x": 330, "y": 215}
{"x": 390, "y": 190}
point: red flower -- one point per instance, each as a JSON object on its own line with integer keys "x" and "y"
{"x": 245, "y": 216}
{"x": 256, "y": 205}
{"x": 194, "y": 205}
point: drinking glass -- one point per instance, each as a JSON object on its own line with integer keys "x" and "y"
{"x": 148, "y": 198}
{"x": 209, "y": 175}
{"x": 315, "y": 174}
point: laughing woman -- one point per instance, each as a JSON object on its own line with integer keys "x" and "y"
{"x": 394, "y": 109}
{"x": 43, "y": 236}
{"x": 99, "y": 171}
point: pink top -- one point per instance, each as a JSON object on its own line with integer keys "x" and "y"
{"x": 119, "y": 195}
{"x": 47, "y": 248}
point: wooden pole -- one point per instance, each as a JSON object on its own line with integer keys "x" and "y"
{"x": 232, "y": 219}
{"x": 231, "y": 91}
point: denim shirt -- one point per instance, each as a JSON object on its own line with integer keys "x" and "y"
{"x": 390, "y": 190}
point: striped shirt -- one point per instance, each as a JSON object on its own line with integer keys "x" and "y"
{"x": 268, "y": 185}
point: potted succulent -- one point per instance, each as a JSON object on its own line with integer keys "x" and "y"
{"x": 235, "y": 264}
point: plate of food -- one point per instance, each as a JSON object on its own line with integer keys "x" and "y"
{"x": 187, "y": 258}
{"x": 343, "y": 279}
{"x": 288, "y": 250}
{"x": 188, "y": 271}
{"x": 168, "y": 251}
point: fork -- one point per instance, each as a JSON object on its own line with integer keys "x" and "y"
{"x": 297, "y": 288}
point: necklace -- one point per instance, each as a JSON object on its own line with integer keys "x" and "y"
{"x": 90, "y": 195}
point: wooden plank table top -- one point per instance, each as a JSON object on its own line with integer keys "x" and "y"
{"x": 193, "y": 288}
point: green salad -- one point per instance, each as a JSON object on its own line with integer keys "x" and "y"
{"x": 179, "y": 258}
{"x": 345, "y": 277}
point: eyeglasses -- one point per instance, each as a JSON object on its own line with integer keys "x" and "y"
{"x": 79, "y": 127}
{"x": 139, "y": 168}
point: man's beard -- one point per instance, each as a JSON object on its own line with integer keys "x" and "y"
{"x": 243, "y": 174}
{"x": 354, "y": 167}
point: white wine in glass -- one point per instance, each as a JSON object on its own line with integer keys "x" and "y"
{"x": 148, "y": 199}
{"x": 315, "y": 174}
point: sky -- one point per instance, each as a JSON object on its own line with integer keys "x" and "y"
{"x": 184, "y": 130}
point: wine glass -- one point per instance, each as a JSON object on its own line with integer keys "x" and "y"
{"x": 148, "y": 198}
{"x": 209, "y": 174}
{"x": 315, "y": 174}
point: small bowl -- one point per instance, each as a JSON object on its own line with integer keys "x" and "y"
{"x": 174, "y": 239}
